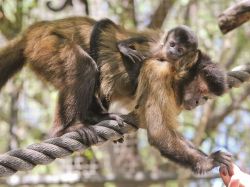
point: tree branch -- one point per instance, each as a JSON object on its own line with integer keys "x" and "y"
{"x": 160, "y": 14}
{"x": 234, "y": 16}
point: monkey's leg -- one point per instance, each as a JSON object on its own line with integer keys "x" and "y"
{"x": 173, "y": 146}
{"x": 77, "y": 94}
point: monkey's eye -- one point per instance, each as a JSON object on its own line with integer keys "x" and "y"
{"x": 172, "y": 44}
{"x": 161, "y": 59}
{"x": 205, "y": 98}
{"x": 180, "y": 50}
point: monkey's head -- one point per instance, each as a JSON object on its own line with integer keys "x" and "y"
{"x": 178, "y": 42}
{"x": 205, "y": 80}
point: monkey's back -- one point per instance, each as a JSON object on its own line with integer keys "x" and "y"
{"x": 49, "y": 47}
{"x": 115, "y": 80}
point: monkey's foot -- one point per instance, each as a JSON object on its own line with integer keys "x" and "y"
{"x": 120, "y": 122}
{"x": 117, "y": 118}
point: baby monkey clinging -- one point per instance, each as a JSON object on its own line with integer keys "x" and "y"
{"x": 174, "y": 44}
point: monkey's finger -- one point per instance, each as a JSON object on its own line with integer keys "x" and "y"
{"x": 131, "y": 58}
{"x": 136, "y": 56}
{"x": 118, "y": 118}
{"x": 224, "y": 160}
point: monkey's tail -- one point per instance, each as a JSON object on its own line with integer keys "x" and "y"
{"x": 11, "y": 59}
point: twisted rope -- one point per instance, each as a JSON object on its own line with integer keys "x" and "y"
{"x": 47, "y": 151}
{"x": 50, "y": 149}
{"x": 238, "y": 75}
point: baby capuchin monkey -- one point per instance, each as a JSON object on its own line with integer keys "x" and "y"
{"x": 178, "y": 42}
{"x": 174, "y": 44}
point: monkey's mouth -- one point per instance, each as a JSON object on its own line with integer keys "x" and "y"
{"x": 187, "y": 106}
{"x": 171, "y": 57}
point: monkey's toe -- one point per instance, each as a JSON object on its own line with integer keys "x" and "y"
{"x": 117, "y": 118}
{"x": 121, "y": 140}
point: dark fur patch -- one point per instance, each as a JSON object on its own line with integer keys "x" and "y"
{"x": 96, "y": 36}
{"x": 212, "y": 74}
{"x": 184, "y": 35}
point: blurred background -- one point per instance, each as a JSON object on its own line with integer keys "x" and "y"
{"x": 27, "y": 104}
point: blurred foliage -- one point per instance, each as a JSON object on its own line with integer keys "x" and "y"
{"x": 36, "y": 100}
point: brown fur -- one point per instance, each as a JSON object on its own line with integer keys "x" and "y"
{"x": 57, "y": 51}
{"x": 157, "y": 110}
{"x": 115, "y": 79}
{"x": 155, "y": 90}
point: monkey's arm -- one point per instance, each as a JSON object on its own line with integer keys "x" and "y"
{"x": 173, "y": 146}
{"x": 132, "y": 58}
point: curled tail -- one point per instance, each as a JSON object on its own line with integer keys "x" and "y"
{"x": 11, "y": 59}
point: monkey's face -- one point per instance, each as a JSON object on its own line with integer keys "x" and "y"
{"x": 174, "y": 49}
{"x": 179, "y": 42}
{"x": 196, "y": 93}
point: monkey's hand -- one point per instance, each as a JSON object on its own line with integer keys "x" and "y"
{"x": 222, "y": 158}
{"x": 215, "y": 159}
{"x": 128, "y": 49}
{"x": 116, "y": 117}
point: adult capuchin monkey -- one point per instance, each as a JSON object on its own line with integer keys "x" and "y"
{"x": 157, "y": 105}
{"x": 167, "y": 80}
{"x": 57, "y": 51}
